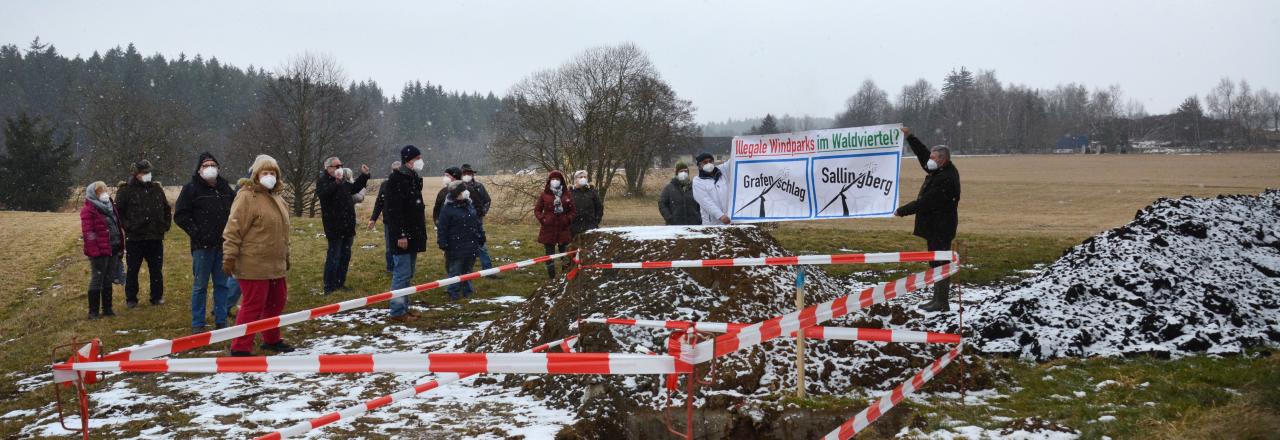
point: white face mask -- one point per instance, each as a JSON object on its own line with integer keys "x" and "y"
{"x": 555, "y": 184}
{"x": 268, "y": 181}
{"x": 582, "y": 181}
{"x": 445, "y": 180}
{"x": 931, "y": 165}
{"x": 104, "y": 197}
{"x": 708, "y": 167}
{"x": 467, "y": 178}
{"x": 146, "y": 178}
{"x": 209, "y": 173}
{"x": 466, "y": 195}
{"x": 683, "y": 175}
{"x": 337, "y": 173}
{"x": 418, "y": 164}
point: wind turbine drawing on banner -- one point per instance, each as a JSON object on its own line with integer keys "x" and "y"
{"x": 844, "y": 199}
{"x": 760, "y": 198}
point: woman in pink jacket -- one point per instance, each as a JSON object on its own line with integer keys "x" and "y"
{"x": 103, "y": 244}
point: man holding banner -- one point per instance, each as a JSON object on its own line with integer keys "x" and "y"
{"x": 935, "y": 209}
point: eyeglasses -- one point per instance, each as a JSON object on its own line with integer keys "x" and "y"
{"x": 337, "y": 165}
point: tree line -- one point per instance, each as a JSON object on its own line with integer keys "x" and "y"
{"x": 117, "y": 107}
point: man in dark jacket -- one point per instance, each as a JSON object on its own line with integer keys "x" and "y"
{"x": 481, "y": 201}
{"x": 460, "y": 234}
{"x": 377, "y": 211}
{"x": 451, "y": 174}
{"x": 405, "y": 217}
{"x": 676, "y": 203}
{"x": 146, "y": 215}
{"x": 202, "y": 210}
{"x": 338, "y": 212}
{"x": 935, "y": 209}
{"x": 587, "y": 201}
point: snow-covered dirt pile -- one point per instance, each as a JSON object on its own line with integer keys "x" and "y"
{"x": 1186, "y": 276}
{"x": 611, "y": 405}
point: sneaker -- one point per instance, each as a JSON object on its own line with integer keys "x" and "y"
{"x": 131, "y": 304}
{"x": 156, "y": 302}
{"x": 279, "y": 347}
{"x": 235, "y": 353}
{"x": 404, "y": 318}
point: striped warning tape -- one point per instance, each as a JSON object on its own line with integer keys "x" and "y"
{"x": 860, "y": 421}
{"x": 533, "y": 363}
{"x": 163, "y": 347}
{"x": 442, "y": 379}
{"x": 815, "y": 332}
{"x": 886, "y": 257}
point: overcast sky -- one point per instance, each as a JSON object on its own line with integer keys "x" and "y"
{"x": 733, "y": 59}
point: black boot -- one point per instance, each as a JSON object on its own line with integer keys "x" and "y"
{"x": 551, "y": 271}
{"x": 106, "y": 299}
{"x": 94, "y": 300}
{"x": 941, "y": 291}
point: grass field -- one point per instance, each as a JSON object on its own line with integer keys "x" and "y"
{"x": 1017, "y": 212}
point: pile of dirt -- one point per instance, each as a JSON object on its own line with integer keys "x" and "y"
{"x": 1186, "y": 276}
{"x": 620, "y": 405}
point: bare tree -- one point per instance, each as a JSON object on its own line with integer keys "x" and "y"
{"x": 1269, "y": 104}
{"x": 603, "y": 107}
{"x": 125, "y": 126}
{"x": 869, "y": 106}
{"x": 304, "y": 116}
{"x": 916, "y": 105}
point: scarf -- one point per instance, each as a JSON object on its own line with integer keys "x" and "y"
{"x": 109, "y": 213}
{"x": 559, "y": 208}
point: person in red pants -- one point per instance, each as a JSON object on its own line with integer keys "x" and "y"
{"x": 256, "y": 250}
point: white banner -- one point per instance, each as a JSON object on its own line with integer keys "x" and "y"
{"x": 819, "y": 174}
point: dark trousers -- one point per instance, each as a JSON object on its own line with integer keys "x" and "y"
{"x": 101, "y": 271}
{"x": 336, "y": 262}
{"x": 941, "y": 289}
{"x": 555, "y": 249}
{"x": 137, "y": 251}
{"x": 459, "y": 266}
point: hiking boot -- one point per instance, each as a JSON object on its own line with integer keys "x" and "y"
{"x": 936, "y": 306}
{"x": 235, "y": 353}
{"x": 279, "y": 347}
{"x": 197, "y": 330}
{"x": 403, "y": 318}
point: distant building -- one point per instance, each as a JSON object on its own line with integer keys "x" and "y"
{"x": 1069, "y": 144}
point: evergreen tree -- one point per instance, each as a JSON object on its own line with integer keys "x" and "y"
{"x": 768, "y": 125}
{"x": 35, "y": 171}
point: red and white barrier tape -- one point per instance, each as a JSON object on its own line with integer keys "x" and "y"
{"x": 815, "y": 332}
{"x": 519, "y": 363}
{"x": 859, "y": 422}
{"x": 810, "y": 316}
{"x": 886, "y": 257}
{"x": 155, "y": 349}
{"x": 354, "y": 411}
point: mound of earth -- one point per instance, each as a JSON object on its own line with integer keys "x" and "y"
{"x": 624, "y": 405}
{"x": 1186, "y": 276}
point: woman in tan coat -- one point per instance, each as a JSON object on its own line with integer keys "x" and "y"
{"x": 256, "y": 250}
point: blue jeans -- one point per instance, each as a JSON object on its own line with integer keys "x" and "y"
{"x": 336, "y": 261}
{"x": 485, "y": 261}
{"x": 391, "y": 245}
{"x": 206, "y": 264}
{"x": 457, "y": 267}
{"x": 401, "y": 277}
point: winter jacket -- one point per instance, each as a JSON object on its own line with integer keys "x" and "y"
{"x": 145, "y": 213}
{"x": 589, "y": 210}
{"x": 441, "y": 196}
{"x": 403, "y": 212}
{"x": 202, "y": 210}
{"x": 379, "y": 201}
{"x": 677, "y": 204}
{"x": 95, "y": 228}
{"x": 460, "y": 231}
{"x": 479, "y": 197}
{"x": 713, "y": 193}
{"x": 256, "y": 239}
{"x": 337, "y": 207}
{"x": 936, "y": 207}
{"x": 555, "y": 226}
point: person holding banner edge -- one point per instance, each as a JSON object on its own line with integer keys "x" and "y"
{"x": 712, "y": 191}
{"x": 935, "y": 208}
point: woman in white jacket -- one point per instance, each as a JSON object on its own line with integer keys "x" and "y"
{"x": 713, "y": 191}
